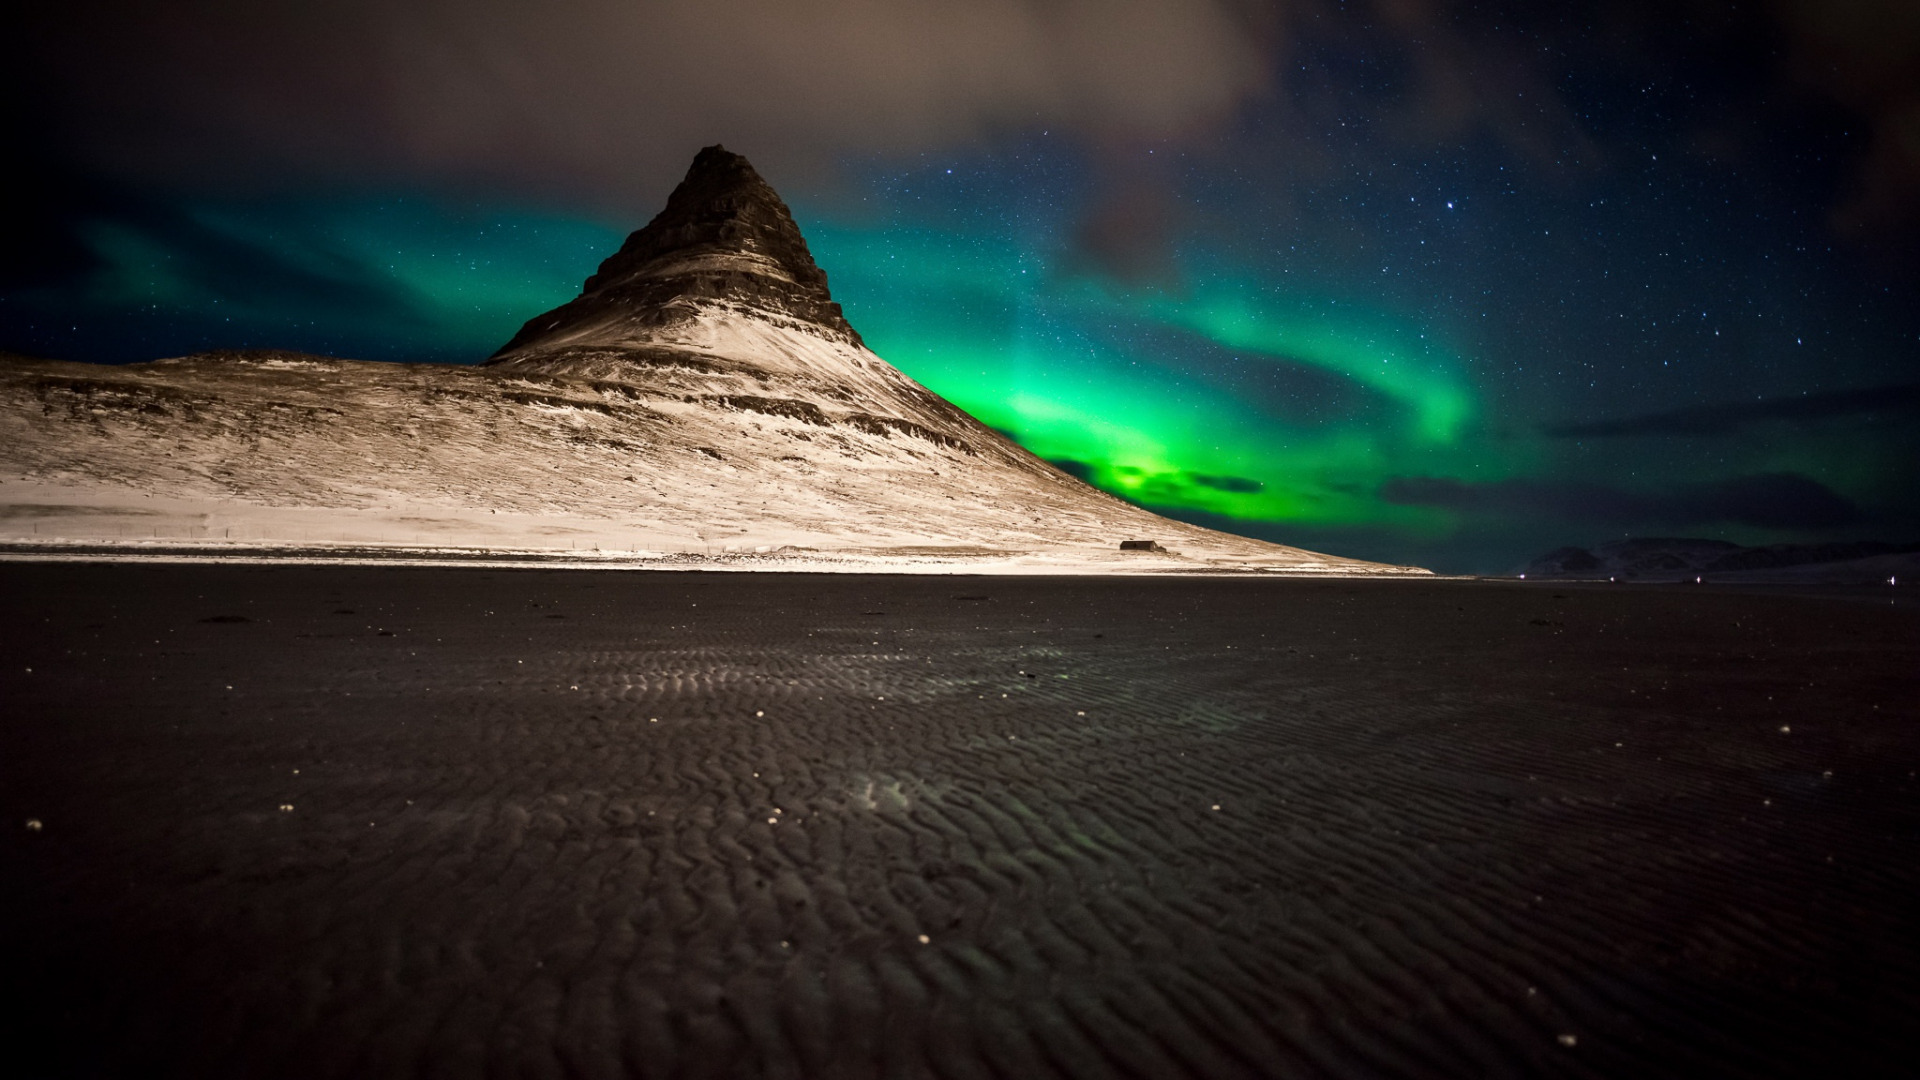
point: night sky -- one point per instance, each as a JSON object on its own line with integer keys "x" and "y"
{"x": 1437, "y": 283}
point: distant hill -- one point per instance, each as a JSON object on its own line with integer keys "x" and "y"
{"x": 1679, "y": 559}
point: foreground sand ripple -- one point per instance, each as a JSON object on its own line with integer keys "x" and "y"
{"x": 601, "y": 824}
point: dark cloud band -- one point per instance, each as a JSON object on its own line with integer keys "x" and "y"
{"x": 1728, "y": 419}
{"x": 604, "y": 100}
{"x": 1766, "y": 500}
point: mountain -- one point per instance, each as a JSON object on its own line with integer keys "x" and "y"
{"x": 725, "y": 244}
{"x": 1678, "y": 559}
{"x": 702, "y": 401}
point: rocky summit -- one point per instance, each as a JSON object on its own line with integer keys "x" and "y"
{"x": 724, "y": 241}
{"x": 703, "y": 401}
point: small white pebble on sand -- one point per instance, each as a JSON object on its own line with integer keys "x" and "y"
{"x": 1216, "y": 806}
{"x": 33, "y": 824}
{"x": 229, "y": 687}
{"x": 1080, "y": 714}
{"x": 29, "y": 671}
{"x": 925, "y": 940}
{"x": 1784, "y": 729}
{"x": 1827, "y": 775}
{"x": 1618, "y": 745}
{"x": 759, "y": 712}
{"x": 773, "y": 821}
{"x": 296, "y": 772}
{"x": 653, "y": 719}
{"x": 1532, "y": 990}
{"x": 1568, "y": 1040}
{"x": 573, "y": 688}
{"x": 1766, "y": 802}
{"x": 286, "y": 808}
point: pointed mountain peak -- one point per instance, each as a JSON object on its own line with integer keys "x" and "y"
{"x": 721, "y": 208}
{"x": 725, "y": 241}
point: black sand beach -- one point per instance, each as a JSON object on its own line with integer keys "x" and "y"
{"x": 368, "y": 822}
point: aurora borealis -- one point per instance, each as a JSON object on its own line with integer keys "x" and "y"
{"x": 1436, "y": 283}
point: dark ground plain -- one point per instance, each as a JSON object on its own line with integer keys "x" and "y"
{"x": 1147, "y": 827}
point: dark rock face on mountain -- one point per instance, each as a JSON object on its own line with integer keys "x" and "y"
{"x": 1777, "y": 556}
{"x": 1564, "y": 562}
{"x": 718, "y": 304}
{"x": 1677, "y": 559}
{"x": 725, "y": 238}
{"x": 1639, "y": 557}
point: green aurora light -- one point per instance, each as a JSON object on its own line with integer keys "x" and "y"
{"x": 1097, "y": 379}
{"x": 1308, "y": 407}
{"x": 1061, "y": 363}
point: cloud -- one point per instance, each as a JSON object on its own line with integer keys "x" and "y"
{"x": 1079, "y": 470}
{"x": 1465, "y": 72}
{"x": 1730, "y": 418}
{"x": 1766, "y": 500}
{"x": 1174, "y": 488}
{"x": 1237, "y": 485}
{"x": 597, "y": 99}
{"x": 1865, "y": 54}
{"x": 1128, "y": 234}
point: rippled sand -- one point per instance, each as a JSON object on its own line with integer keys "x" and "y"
{"x": 366, "y": 821}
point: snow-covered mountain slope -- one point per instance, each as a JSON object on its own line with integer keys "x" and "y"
{"x": 703, "y": 395}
